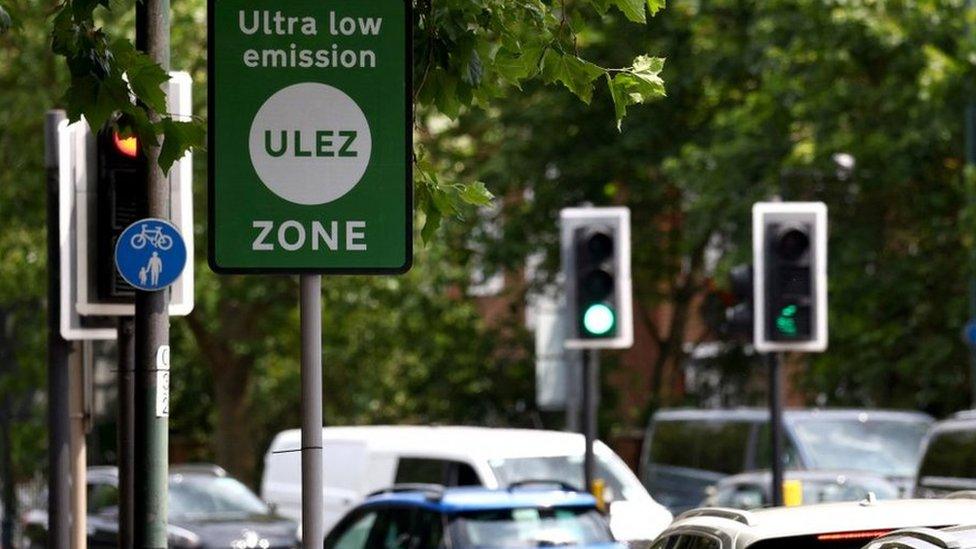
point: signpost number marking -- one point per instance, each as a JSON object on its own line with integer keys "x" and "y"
{"x": 162, "y": 381}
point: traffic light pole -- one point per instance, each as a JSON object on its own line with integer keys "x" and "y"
{"x": 776, "y": 426}
{"x": 126, "y": 428}
{"x": 591, "y": 387}
{"x": 59, "y": 421}
{"x": 313, "y": 529}
{"x": 152, "y": 325}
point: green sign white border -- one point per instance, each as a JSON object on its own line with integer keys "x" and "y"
{"x": 408, "y": 184}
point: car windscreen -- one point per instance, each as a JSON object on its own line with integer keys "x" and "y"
{"x": 620, "y": 484}
{"x": 529, "y": 527}
{"x": 195, "y": 497}
{"x": 950, "y": 454}
{"x": 883, "y": 446}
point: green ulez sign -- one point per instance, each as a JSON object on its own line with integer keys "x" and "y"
{"x": 310, "y": 136}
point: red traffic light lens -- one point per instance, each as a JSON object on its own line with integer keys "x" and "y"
{"x": 128, "y": 146}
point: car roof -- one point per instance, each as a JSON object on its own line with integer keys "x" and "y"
{"x": 960, "y": 421}
{"x": 747, "y": 527}
{"x": 448, "y": 440}
{"x": 826, "y": 475}
{"x": 957, "y": 537}
{"x": 762, "y": 414}
{"x": 463, "y": 499}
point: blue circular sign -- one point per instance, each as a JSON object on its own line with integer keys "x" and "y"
{"x": 969, "y": 333}
{"x": 150, "y": 254}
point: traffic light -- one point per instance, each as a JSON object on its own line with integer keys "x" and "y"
{"x": 739, "y": 315}
{"x": 790, "y": 287}
{"x": 596, "y": 266}
{"x": 121, "y": 200}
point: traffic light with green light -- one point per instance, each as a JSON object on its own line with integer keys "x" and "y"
{"x": 596, "y": 267}
{"x": 791, "y": 276}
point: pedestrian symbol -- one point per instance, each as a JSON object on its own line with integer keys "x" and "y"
{"x": 150, "y": 254}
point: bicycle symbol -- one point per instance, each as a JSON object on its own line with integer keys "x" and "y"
{"x": 152, "y": 236}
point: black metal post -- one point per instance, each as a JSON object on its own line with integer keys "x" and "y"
{"x": 126, "y": 428}
{"x": 776, "y": 426}
{"x": 152, "y": 323}
{"x": 58, "y": 415}
{"x": 591, "y": 387}
{"x": 7, "y": 479}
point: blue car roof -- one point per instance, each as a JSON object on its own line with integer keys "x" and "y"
{"x": 460, "y": 500}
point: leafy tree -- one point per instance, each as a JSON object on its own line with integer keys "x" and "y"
{"x": 762, "y": 96}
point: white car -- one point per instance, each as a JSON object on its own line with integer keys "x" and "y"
{"x": 848, "y": 525}
{"x": 362, "y": 460}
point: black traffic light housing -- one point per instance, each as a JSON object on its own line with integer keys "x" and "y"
{"x": 596, "y": 301}
{"x": 739, "y": 315}
{"x": 789, "y": 282}
{"x": 121, "y": 200}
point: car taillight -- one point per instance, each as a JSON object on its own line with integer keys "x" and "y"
{"x": 847, "y": 536}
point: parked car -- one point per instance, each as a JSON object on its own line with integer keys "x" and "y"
{"x": 685, "y": 451}
{"x": 207, "y": 508}
{"x": 847, "y": 525}
{"x": 361, "y": 460}
{"x": 753, "y": 490}
{"x": 957, "y": 537}
{"x": 422, "y": 517}
{"x": 948, "y": 459}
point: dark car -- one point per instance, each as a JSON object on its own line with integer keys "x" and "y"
{"x": 207, "y": 509}
{"x": 754, "y": 490}
{"x": 687, "y": 450}
{"x": 949, "y": 457}
{"x": 428, "y": 517}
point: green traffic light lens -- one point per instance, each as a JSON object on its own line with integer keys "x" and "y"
{"x": 598, "y": 319}
{"x": 786, "y": 320}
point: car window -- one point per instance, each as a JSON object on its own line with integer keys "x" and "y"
{"x": 620, "y": 484}
{"x": 102, "y": 496}
{"x": 695, "y": 541}
{"x": 862, "y": 442}
{"x": 950, "y": 454}
{"x": 429, "y": 527}
{"x": 791, "y": 459}
{"x": 394, "y": 529}
{"x": 529, "y": 527}
{"x": 435, "y": 471}
{"x": 743, "y": 496}
{"x": 352, "y": 534}
{"x": 710, "y": 445}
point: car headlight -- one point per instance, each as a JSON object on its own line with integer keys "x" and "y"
{"x": 181, "y": 537}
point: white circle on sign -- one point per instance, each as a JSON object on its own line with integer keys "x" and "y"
{"x": 310, "y": 143}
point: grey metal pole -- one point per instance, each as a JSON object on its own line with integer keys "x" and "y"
{"x": 776, "y": 426}
{"x": 591, "y": 388}
{"x": 126, "y": 428}
{"x": 79, "y": 474}
{"x": 59, "y": 421}
{"x": 152, "y": 323}
{"x": 970, "y": 129}
{"x": 313, "y": 531}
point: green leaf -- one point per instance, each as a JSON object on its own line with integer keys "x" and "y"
{"x": 655, "y": 6}
{"x": 5, "y": 21}
{"x": 516, "y": 67}
{"x": 145, "y": 76}
{"x": 574, "y": 73}
{"x": 638, "y": 84}
{"x": 88, "y": 97}
{"x": 178, "y": 138}
{"x": 633, "y": 9}
{"x": 477, "y": 194}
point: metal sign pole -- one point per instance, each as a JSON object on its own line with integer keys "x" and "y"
{"x": 151, "y": 466}
{"x": 313, "y": 532}
{"x": 591, "y": 384}
{"x": 58, "y": 472}
{"x": 776, "y": 425}
{"x": 126, "y": 428}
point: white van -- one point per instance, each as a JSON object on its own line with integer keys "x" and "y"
{"x": 360, "y": 460}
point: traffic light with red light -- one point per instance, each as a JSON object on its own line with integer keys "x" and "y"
{"x": 121, "y": 200}
{"x": 790, "y": 287}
